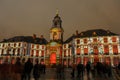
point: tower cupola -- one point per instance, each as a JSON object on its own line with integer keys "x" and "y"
{"x": 56, "y": 32}
{"x": 57, "y": 21}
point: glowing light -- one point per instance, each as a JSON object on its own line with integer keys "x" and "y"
{"x": 53, "y": 58}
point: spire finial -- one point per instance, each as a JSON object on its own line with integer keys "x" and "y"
{"x": 57, "y": 12}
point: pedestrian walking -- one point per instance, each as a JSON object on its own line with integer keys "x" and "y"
{"x": 36, "y": 71}
{"x": 73, "y": 70}
{"x": 23, "y": 71}
{"x": 27, "y": 69}
{"x": 88, "y": 68}
{"x": 18, "y": 69}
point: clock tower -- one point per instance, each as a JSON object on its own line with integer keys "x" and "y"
{"x": 56, "y": 32}
{"x": 54, "y": 48}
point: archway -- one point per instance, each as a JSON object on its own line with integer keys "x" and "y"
{"x": 53, "y": 58}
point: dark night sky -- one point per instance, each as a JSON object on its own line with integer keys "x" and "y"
{"x": 25, "y": 17}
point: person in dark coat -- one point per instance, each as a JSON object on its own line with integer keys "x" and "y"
{"x": 88, "y": 68}
{"x": 73, "y": 70}
{"x": 27, "y": 69}
{"x": 44, "y": 68}
{"x": 23, "y": 73}
{"x": 78, "y": 70}
{"x": 58, "y": 70}
{"x": 18, "y": 69}
{"x": 119, "y": 66}
{"x": 36, "y": 71}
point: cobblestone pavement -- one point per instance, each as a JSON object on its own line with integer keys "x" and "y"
{"x": 51, "y": 75}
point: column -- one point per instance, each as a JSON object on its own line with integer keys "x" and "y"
{"x": 82, "y": 59}
{"x": 91, "y": 58}
{"x": 111, "y": 58}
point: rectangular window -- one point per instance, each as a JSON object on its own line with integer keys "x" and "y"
{"x": 114, "y": 39}
{"x": 64, "y": 46}
{"x": 32, "y": 46}
{"x": 105, "y": 40}
{"x": 19, "y": 44}
{"x": 106, "y": 49}
{"x": 95, "y": 40}
{"x": 78, "y": 51}
{"x": 42, "y": 53}
{"x": 32, "y": 51}
{"x": 2, "y": 51}
{"x": 68, "y": 52}
{"x": 78, "y": 41}
{"x": 115, "y": 49}
{"x": 85, "y": 41}
{"x": 14, "y": 44}
{"x": 86, "y": 51}
{"x": 64, "y": 53}
{"x": 18, "y": 50}
{"x": 3, "y": 45}
{"x": 37, "y": 53}
{"x": 95, "y": 50}
{"x": 37, "y": 46}
{"x": 42, "y": 46}
{"x": 24, "y": 52}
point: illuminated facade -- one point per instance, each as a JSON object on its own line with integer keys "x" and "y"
{"x": 54, "y": 47}
{"x": 91, "y": 45}
{"x": 12, "y": 50}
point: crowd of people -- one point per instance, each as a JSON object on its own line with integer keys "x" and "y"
{"x": 96, "y": 69}
{"x": 22, "y": 70}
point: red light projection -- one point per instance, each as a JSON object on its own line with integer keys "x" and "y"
{"x": 53, "y": 58}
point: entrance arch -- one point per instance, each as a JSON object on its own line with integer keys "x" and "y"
{"x": 53, "y": 58}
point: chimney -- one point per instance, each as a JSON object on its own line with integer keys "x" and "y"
{"x": 41, "y": 37}
{"x": 76, "y": 32}
{"x": 34, "y": 36}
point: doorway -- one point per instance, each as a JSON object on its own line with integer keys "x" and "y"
{"x": 53, "y": 58}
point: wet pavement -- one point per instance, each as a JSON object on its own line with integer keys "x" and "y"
{"x": 51, "y": 75}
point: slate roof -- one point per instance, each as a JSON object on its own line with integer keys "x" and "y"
{"x": 91, "y": 33}
{"x": 28, "y": 39}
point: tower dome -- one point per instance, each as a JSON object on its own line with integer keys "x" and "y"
{"x": 56, "y": 32}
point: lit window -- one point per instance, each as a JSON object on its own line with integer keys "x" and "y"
{"x": 14, "y": 44}
{"x": 32, "y": 46}
{"x": 64, "y": 46}
{"x": 106, "y": 49}
{"x": 64, "y": 53}
{"x": 115, "y": 49}
{"x": 105, "y": 40}
{"x": 85, "y": 41}
{"x": 95, "y": 40}
{"x": 37, "y": 53}
{"x": 114, "y": 39}
{"x": 19, "y": 44}
{"x": 78, "y": 51}
{"x": 78, "y": 41}
{"x": 42, "y": 53}
{"x": 37, "y": 46}
{"x": 42, "y": 47}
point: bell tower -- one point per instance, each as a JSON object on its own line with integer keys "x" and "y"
{"x": 54, "y": 47}
{"x": 56, "y": 32}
